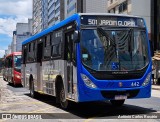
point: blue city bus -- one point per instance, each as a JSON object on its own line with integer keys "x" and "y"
{"x": 89, "y": 57}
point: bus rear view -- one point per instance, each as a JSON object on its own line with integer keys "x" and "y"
{"x": 115, "y": 59}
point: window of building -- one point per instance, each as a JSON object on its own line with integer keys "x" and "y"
{"x": 57, "y": 2}
{"x": 57, "y": 10}
{"x": 123, "y": 7}
{"x": 71, "y": 8}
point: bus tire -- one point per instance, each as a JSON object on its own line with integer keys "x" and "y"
{"x": 32, "y": 92}
{"x": 117, "y": 103}
{"x": 158, "y": 81}
{"x": 64, "y": 103}
{"x": 14, "y": 84}
{"x": 4, "y": 79}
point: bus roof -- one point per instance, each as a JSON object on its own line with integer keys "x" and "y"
{"x": 14, "y": 53}
{"x": 68, "y": 20}
{"x": 48, "y": 30}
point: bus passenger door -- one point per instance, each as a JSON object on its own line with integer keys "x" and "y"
{"x": 69, "y": 56}
{"x": 39, "y": 66}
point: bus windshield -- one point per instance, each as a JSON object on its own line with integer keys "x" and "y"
{"x": 17, "y": 62}
{"x": 115, "y": 49}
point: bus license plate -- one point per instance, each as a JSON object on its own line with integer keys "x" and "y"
{"x": 120, "y": 97}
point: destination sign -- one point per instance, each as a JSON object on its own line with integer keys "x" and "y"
{"x": 112, "y": 21}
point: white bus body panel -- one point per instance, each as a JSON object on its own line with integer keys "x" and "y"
{"x": 30, "y": 70}
{"x": 44, "y": 81}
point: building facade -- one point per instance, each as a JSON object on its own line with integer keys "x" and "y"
{"x": 55, "y": 11}
{"x": 50, "y": 12}
{"x": 133, "y": 7}
{"x": 44, "y": 13}
{"x": 37, "y": 16}
{"x": 47, "y": 13}
{"x": 23, "y": 31}
{"x": 13, "y": 43}
{"x": 85, "y": 6}
{"x": 8, "y": 51}
{"x": 155, "y": 22}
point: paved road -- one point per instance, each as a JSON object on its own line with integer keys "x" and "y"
{"x": 17, "y": 100}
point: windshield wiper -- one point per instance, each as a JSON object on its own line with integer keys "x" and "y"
{"x": 112, "y": 49}
{"x": 108, "y": 38}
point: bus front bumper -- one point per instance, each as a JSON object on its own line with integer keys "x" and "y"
{"x": 88, "y": 94}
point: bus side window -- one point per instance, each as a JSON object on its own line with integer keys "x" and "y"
{"x": 71, "y": 47}
{"x": 28, "y": 50}
{"x": 31, "y": 51}
{"x": 39, "y": 51}
{"x": 7, "y": 63}
{"x": 47, "y": 47}
{"x": 24, "y": 54}
{"x": 56, "y": 43}
{"x": 10, "y": 62}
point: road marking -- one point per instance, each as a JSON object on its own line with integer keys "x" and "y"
{"x": 40, "y": 110}
{"x": 91, "y": 118}
{"x": 21, "y": 103}
{"x": 88, "y": 119}
{"x": 29, "y": 112}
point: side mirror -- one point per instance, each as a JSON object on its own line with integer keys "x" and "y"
{"x": 151, "y": 48}
{"x": 76, "y": 36}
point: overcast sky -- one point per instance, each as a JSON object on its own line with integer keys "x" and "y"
{"x": 11, "y": 12}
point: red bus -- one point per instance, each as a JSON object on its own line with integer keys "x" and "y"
{"x": 12, "y": 68}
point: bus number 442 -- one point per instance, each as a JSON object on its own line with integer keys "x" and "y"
{"x": 134, "y": 84}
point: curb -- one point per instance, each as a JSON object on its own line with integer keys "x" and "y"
{"x": 155, "y": 87}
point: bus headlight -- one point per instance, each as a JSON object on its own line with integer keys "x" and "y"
{"x": 88, "y": 82}
{"x": 146, "y": 82}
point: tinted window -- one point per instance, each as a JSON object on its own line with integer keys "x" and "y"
{"x": 56, "y": 43}
{"x": 47, "y": 47}
{"x": 31, "y": 52}
{"x": 24, "y": 54}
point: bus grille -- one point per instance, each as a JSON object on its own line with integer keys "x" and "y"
{"x": 111, "y": 94}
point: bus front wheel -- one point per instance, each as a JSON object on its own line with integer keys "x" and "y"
{"x": 117, "y": 103}
{"x": 62, "y": 99}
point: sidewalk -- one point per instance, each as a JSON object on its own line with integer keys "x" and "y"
{"x": 156, "y": 87}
